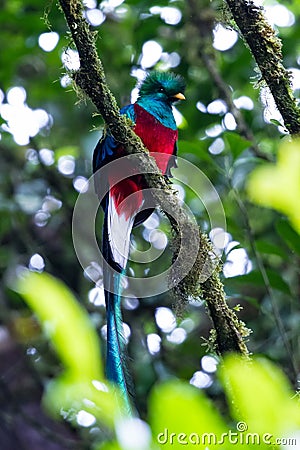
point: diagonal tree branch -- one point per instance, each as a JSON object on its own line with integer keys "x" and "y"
{"x": 266, "y": 49}
{"x": 230, "y": 332}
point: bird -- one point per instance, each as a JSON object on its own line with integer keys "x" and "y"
{"x": 125, "y": 202}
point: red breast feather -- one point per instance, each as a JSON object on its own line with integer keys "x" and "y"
{"x": 155, "y": 136}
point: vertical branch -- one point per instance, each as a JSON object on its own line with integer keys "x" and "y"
{"x": 266, "y": 50}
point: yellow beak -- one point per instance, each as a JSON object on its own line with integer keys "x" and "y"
{"x": 179, "y": 96}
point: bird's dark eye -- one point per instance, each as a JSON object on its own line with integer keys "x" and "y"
{"x": 161, "y": 89}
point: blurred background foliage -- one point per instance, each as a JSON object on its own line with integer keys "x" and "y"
{"x": 228, "y": 127}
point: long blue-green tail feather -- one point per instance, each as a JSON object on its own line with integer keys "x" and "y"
{"x": 116, "y": 364}
{"x": 116, "y": 356}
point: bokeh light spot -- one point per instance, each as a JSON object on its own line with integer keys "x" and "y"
{"x": 81, "y": 184}
{"x": 217, "y": 107}
{"x": 16, "y": 96}
{"x": 224, "y": 38}
{"x": 165, "y": 319}
{"x": 70, "y": 59}
{"x": 171, "y": 16}
{"x": 37, "y": 263}
{"x": 95, "y": 17}
{"x": 46, "y": 156}
{"x": 201, "y": 380}
{"x": 209, "y": 363}
{"x": 48, "y": 41}
{"x": 133, "y": 434}
{"x": 153, "y": 343}
{"x": 279, "y": 15}
{"x": 66, "y": 165}
{"x": 217, "y": 146}
{"x": 85, "y": 419}
{"x": 151, "y": 53}
{"x": 177, "y": 336}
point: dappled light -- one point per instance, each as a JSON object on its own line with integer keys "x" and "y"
{"x": 244, "y": 102}
{"x": 131, "y": 303}
{"x": 224, "y": 38}
{"x": 229, "y": 122}
{"x": 48, "y": 41}
{"x": 85, "y": 419}
{"x": 70, "y": 59}
{"x": 95, "y": 17}
{"x": 216, "y": 147}
{"x": 151, "y": 53}
{"x": 237, "y": 263}
{"x": 133, "y": 434}
{"x": 279, "y": 15}
{"x": 219, "y": 238}
{"x": 80, "y": 184}
{"x": 158, "y": 239}
{"x": 41, "y": 218}
{"x": 171, "y": 15}
{"x": 214, "y": 130}
{"x": 165, "y": 319}
{"x": 201, "y": 380}
{"x": 36, "y": 263}
{"x": 177, "y": 336}
{"x": 209, "y": 363}
{"x": 153, "y": 343}
{"x": 96, "y": 296}
{"x": 217, "y": 107}
{"x": 22, "y": 121}
{"x": 46, "y": 156}
{"x": 66, "y": 165}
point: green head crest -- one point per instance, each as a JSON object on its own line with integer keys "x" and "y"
{"x": 163, "y": 85}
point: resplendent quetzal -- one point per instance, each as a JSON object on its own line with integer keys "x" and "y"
{"x": 154, "y": 123}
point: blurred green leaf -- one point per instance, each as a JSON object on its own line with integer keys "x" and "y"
{"x": 288, "y": 235}
{"x": 179, "y": 408}
{"x": 259, "y": 394}
{"x": 236, "y": 143}
{"x": 269, "y": 248}
{"x": 255, "y": 278}
{"x": 278, "y": 185}
{"x": 65, "y": 322}
{"x": 67, "y": 325}
{"x": 108, "y": 446}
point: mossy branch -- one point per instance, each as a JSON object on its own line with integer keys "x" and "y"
{"x": 90, "y": 78}
{"x": 266, "y": 49}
